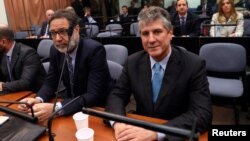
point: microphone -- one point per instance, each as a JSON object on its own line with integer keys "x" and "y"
{"x": 51, "y": 117}
{"x": 155, "y": 127}
{"x": 24, "y": 116}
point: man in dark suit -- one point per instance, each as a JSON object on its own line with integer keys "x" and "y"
{"x": 125, "y": 20}
{"x": 21, "y": 68}
{"x": 181, "y": 95}
{"x": 85, "y": 73}
{"x": 45, "y": 25}
{"x": 204, "y": 8}
{"x": 185, "y": 23}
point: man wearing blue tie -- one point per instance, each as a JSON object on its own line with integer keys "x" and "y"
{"x": 166, "y": 81}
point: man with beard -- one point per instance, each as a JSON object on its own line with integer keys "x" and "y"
{"x": 85, "y": 73}
{"x": 20, "y": 66}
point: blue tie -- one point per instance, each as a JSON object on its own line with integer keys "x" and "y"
{"x": 156, "y": 81}
{"x": 71, "y": 72}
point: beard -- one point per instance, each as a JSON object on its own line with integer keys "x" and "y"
{"x": 72, "y": 44}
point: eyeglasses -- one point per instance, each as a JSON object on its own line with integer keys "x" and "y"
{"x": 60, "y": 32}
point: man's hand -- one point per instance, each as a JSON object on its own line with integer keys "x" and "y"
{"x": 1, "y": 86}
{"x": 124, "y": 132}
{"x": 30, "y": 101}
{"x": 42, "y": 111}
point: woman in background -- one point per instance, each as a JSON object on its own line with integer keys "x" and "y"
{"x": 228, "y": 16}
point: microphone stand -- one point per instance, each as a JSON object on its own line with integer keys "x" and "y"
{"x": 155, "y": 127}
{"x": 32, "y": 119}
{"x": 51, "y": 117}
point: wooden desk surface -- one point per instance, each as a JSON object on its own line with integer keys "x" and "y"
{"x": 64, "y": 128}
{"x": 14, "y": 97}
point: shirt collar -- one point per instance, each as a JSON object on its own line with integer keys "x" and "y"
{"x": 9, "y": 53}
{"x": 185, "y": 16}
{"x": 163, "y": 62}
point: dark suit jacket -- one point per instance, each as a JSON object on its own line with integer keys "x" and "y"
{"x": 43, "y": 28}
{"x": 208, "y": 10}
{"x": 26, "y": 67}
{"x": 184, "y": 93}
{"x": 192, "y": 25}
{"x": 91, "y": 76}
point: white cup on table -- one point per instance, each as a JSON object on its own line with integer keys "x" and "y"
{"x": 85, "y": 134}
{"x": 81, "y": 120}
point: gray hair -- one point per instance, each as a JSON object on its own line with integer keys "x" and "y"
{"x": 154, "y": 13}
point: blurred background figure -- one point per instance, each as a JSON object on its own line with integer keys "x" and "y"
{"x": 87, "y": 15}
{"x": 204, "y": 8}
{"x": 45, "y": 26}
{"x": 171, "y": 9}
{"x": 227, "y": 15}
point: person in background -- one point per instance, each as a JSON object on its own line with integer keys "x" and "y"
{"x": 171, "y": 8}
{"x": 45, "y": 26}
{"x": 227, "y": 15}
{"x": 125, "y": 20}
{"x": 132, "y": 10}
{"x": 204, "y": 8}
{"x": 20, "y": 65}
{"x": 166, "y": 81}
{"x": 185, "y": 23}
{"x": 87, "y": 14}
{"x": 85, "y": 74}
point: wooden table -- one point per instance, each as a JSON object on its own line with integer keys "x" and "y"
{"x": 14, "y": 97}
{"x": 64, "y": 128}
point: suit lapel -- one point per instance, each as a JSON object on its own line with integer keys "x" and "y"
{"x": 14, "y": 56}
{"x": 172, "y": 72}
{"x": 145, "y": 71}
{"x": 78, "y": 58}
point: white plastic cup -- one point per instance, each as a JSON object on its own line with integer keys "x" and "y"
{"x": 81, "y": 120}
{"x": 85, "y": 134}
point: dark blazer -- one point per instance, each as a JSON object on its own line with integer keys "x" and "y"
{"x": 43, "y": 28}
{"x": 26, "y": 67}
{"x": 91, "y": 76}
{"x": 184, "y": 94}
{"x": 208, "y": 10}
{"x": 192, "y": 25}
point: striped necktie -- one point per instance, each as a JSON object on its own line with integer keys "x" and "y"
{"x": 71, "y": 73}
{"x": 8, "y": 62}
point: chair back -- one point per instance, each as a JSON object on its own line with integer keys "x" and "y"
{"x": 246, "y": 27}
{"x": 116, "y": 53}
{"x": 115, "y": 69}
{"x": 46, "y": 66}
{"x": 224, "y": 57}
{"x": 43, "y": 48}
{"x": 134, "y": 29}
{"x": 107, "y": 34}
{"x": 21, "y": 34}
{"x": 92, "y": 30}
{"x": 114, "y": 27}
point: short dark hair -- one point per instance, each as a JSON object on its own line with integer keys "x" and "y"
{"x": 6, "y": 33}
{"x": 70, "y": 16}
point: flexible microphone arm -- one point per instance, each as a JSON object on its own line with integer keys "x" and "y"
{"x": 51, "y": 117}
{"x": 24, "y": 116}
{"x": 155, "y": 127}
